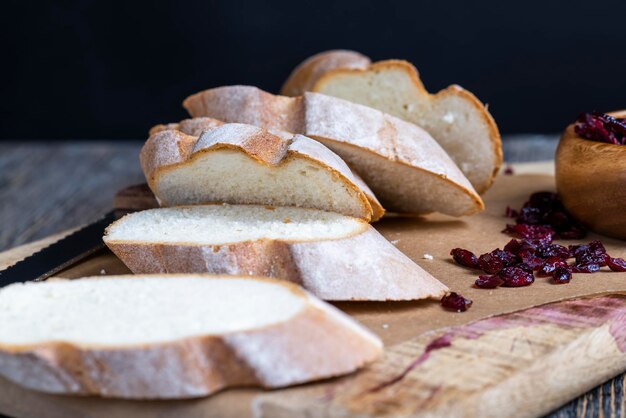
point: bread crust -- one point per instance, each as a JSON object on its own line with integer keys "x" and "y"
{"x": 168, "y": 149}
{"x": 362, "y": 266}
{"x": 276, "y": 355}
{"x": 328, "y": 119}
{"x": 453, "y": 90}
{"x": 310, "y": 70}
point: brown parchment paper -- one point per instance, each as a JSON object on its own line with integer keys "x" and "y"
{"x": 394, "y": 322}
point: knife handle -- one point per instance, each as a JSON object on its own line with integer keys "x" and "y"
{"x": 133, "y": 199}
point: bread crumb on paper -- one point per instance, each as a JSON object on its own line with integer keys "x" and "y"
{"x": 385, "y": 326}
{"x": 395, "y": 241}
{"x": 427, "y": 256}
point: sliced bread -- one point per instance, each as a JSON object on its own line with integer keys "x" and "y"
{"x": 407, "y": 170}
{"x": 245, "y": 164}
{"x": 453, "y": 116}
{"x": 333, "y": 256}
{"x": 173, "y": 337}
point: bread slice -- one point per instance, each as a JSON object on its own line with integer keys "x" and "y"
{"x": 453, "y": 116}
{"x": 172, "y": 337}
{"x": 333, "y": 256}
{"x": 407, "y": 170}
{"x": 244, "y": 164}
{"x": 310, "y": 70}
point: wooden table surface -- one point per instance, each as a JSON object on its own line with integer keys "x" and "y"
{"x": 47, "y": 187}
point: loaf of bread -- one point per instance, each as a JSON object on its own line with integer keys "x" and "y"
{"x": 173, "y": 337}
{"x": 244, "y": 164}
{"x": 404, "y": 166}
{"x": 333, "y": 256}
{"x": 457, "y": 120}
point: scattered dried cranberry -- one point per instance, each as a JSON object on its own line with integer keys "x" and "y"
{"x": 592, "y": 253}
{"x": 529, "y": 258}
{"x": 515, "y": 277}
{"x": 542, "y": 219}
{"x": 601, "y": 127}
{"x": 513, "y": 246}
{"x": 551, "y": 264}
{"x": 455, "y": 302}
{"x": 616, "y": 264}
{"x": 562, "y": 275}
{"x": 553, "y": 250}
{"x": 464, "y": 258}
{"x": 508, "y": 170}
{"x": 496, "y": 260}
{"x": 488, "y": 282}
{"x": 534, "y": 232}
{"x": 585, "y": 268}
{"x": 545, "y": 210}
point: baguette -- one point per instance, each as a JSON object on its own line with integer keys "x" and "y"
{"x": 333, "y": 256}
{"x": 173, "y": 337}
{"x": 453, "y": 116}
{"x": 407, "y": 170}
{"x": 244, "y": 164}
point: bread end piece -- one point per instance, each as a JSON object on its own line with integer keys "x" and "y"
{"x": 314, "y": 341}
{"x": 304, "y": 76}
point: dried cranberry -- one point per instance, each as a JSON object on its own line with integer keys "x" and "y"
{"x": 488, "y": 282}
{"x": 534, "y": 232}
{"x": 553, "y": 250}
{"x": 575, "y": 232}
{"x": 529, "y": 258}
{"x": 545, "y": 209}
{"x": 592, "y": 253}
{"x": 524, "y": 267}
{"x": 561, "y": 275}
{"x": 551, "y": 264}
{"x": 496, "y": 260}
{"x": 530, "y": 216}
{"x": 515, "y": 277}
{"x": 455, "y": 302}
{"x": 513, "y": 246}
{"x": 616, "y": 264}
{"x": 585, "y": 268}
{"x": 543, "y": 200}
{"x": 464, "y": 257}
{"x": 601, "y": 127}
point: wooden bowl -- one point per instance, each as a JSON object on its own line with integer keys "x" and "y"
{"x": 591, "y": 180}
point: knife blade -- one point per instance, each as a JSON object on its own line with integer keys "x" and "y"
{"x": 59, "y": 255}
{"x": 79, "y": 244}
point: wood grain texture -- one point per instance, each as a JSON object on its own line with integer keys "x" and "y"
{"x": 55, "y": 186}
{"x": 74, "y": 183}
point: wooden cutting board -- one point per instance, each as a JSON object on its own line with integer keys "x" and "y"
{"x": 516, "y": 352}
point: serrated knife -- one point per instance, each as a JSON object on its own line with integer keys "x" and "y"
{"x": 79, "y": 244}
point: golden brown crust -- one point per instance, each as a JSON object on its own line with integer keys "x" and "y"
{"x": 306, "y": 74}
{"x": 199, "y": 366}
{"x": 167, "y": 150}
{"x": 453, "y": 90}
{"x": 319, "y": 116}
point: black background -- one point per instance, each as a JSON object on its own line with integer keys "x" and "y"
{"x": 111, "y": 69}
